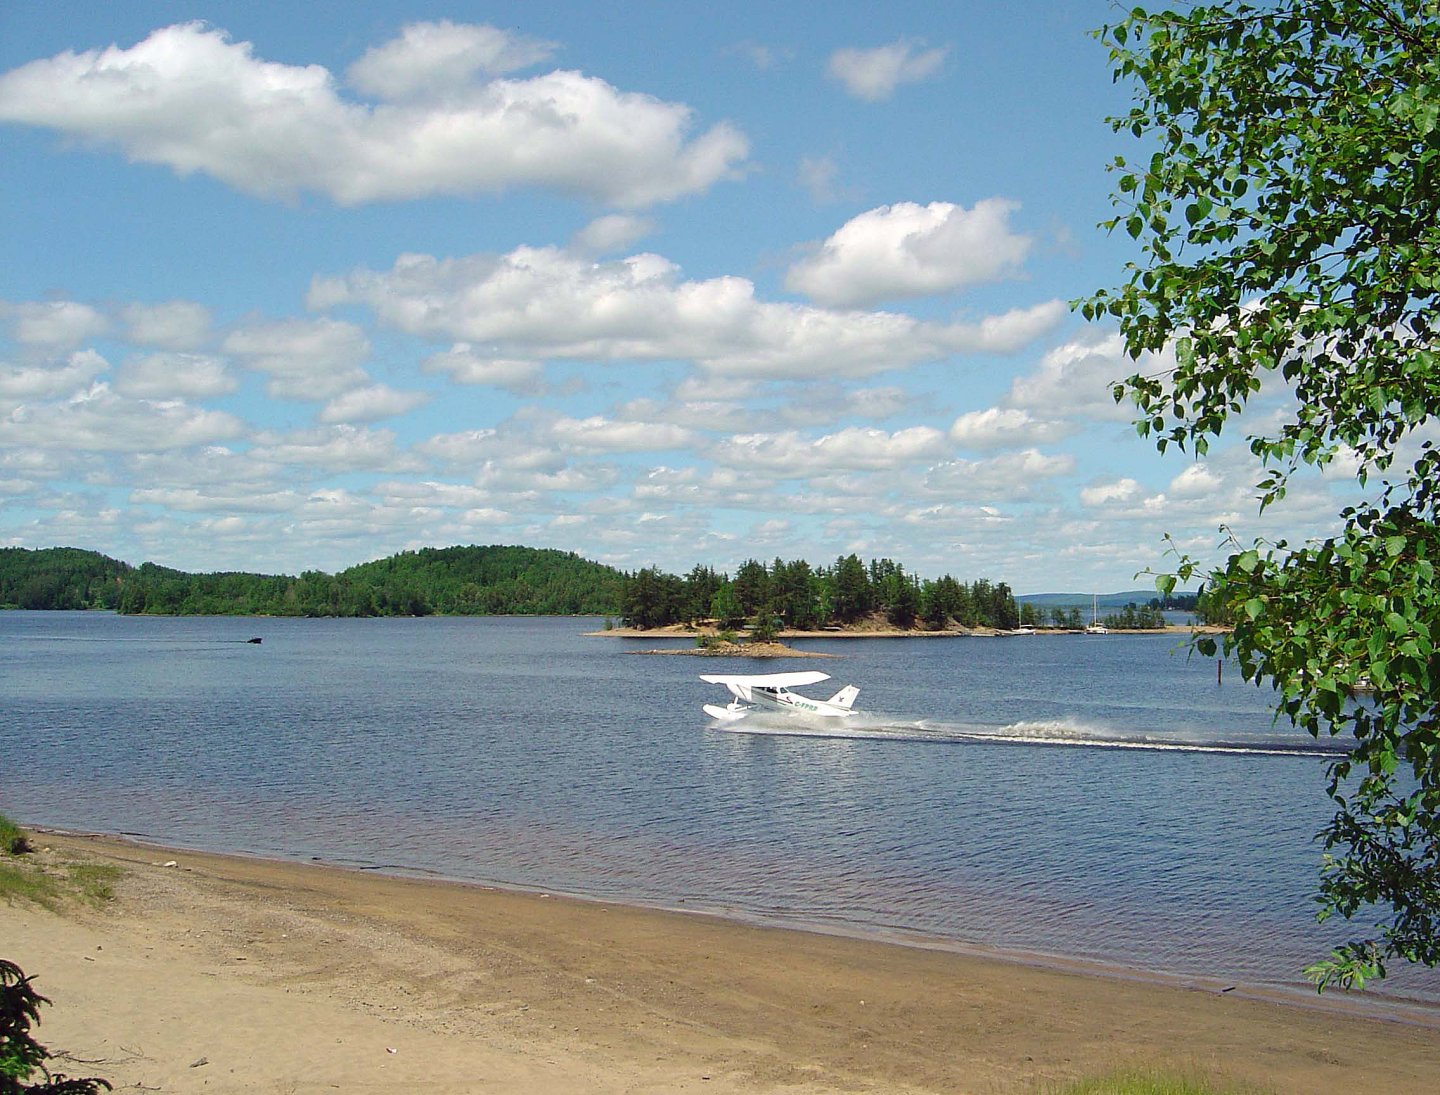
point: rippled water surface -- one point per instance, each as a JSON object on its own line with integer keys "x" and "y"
{"x": 1100, "y": 797}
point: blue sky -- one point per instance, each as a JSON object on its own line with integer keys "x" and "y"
{"x": 301, "y": 286}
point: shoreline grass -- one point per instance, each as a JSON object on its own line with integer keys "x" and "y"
{"x": 13, "y": 839}
{"x": 50, "y": 882}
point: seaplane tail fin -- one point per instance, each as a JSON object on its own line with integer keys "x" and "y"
{"x": 845, "y": 697}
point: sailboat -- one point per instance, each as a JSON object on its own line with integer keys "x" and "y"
{"x": 1095, "y": 627}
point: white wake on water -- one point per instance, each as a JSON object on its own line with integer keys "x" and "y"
{"x": 1057, "y": 732}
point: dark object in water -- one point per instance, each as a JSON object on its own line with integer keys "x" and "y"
{"x": 256, "y": 640}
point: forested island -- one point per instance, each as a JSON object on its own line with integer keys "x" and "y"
{"x": 795, "y": 596}
{"x": 502, "y": 580}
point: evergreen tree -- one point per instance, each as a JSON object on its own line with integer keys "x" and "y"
{"x": 701, "y": 585}
{"x": 650, "y": 599}
{"x": 793, "y": 594}
{"x": 725, "y": 607}
{"x": 904, "y": 599}
{"x": 752, "y": 585}
{"x": 853, "y": 597}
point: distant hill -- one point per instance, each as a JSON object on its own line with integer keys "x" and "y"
{"x": 461, "y": 581}
{"x": 60, "y": 578}
{"x": 493, "y": 580}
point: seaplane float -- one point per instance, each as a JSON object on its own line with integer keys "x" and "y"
{"x": 770, "y": 692}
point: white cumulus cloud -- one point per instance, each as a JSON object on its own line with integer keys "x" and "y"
{"x": 304, "y": 359}
{"x": 370, "y": 404}
{"x": 464, "y": 366}
{"x": 1005, "y": 427}
{"x": 444, "y": 57}
{"x": 1115, "y": 491}
{"x": 189, "y": 98}
{"x": 1075, "y": 380}
{"x": 204, "y": 469}
{"x": 788, "y": 455}
{"x": 51, "y": 379}
{"x": 469, "y": 447}
{"x": 911, "y": 250}
{"x": 172, "y": 325}
{"x": 522, "y": 485}
{"x": 174, "y": 376}
{"x": 196, "y": 500}
{"x": 101, "y": 420}
{"x": 612, "y": 232}
{"x": 1009, "y": 475}
{"x": 874, "y": 74}
{"x": 600, "y": 434}
{"x": 1197, "y": 481}
{"x": 56, "y": 324}
{"x": 342, "y": 448}
{"x": 542, "y": 302}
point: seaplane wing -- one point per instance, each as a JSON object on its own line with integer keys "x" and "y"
{"x": 769, "y": 680}
{"x": 771, "y": 692}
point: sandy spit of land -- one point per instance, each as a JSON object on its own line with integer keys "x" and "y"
{"x": 738, "y": 650}
{"x": 221, "y": 974}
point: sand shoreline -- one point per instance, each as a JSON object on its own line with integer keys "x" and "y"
{"x": 1387, "y": 1009}
{"x": 294, "y": 977}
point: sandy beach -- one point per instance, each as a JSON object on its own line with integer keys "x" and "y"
{"x": 231, "y": 974}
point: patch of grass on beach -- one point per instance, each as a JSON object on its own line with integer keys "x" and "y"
{"x": 1153, "y": 1082}
{"x": 46, "y": 879}
{"x": 25, "y": 882}
{"x": 93, "y": 883}
{"x": 13, "y": 839}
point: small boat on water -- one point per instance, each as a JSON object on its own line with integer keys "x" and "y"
{"x": 1095, "y": 627}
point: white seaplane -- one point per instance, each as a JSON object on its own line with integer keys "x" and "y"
{"x": 771, "y": 692}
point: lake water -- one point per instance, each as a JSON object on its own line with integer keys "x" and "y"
{"x": 1095, "y": 797}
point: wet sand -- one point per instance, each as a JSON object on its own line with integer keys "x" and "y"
{"x": 230, "y": 974}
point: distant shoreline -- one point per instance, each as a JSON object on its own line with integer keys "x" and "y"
{"x": 669, "y": 631}
{"x": 682, "y": 631}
